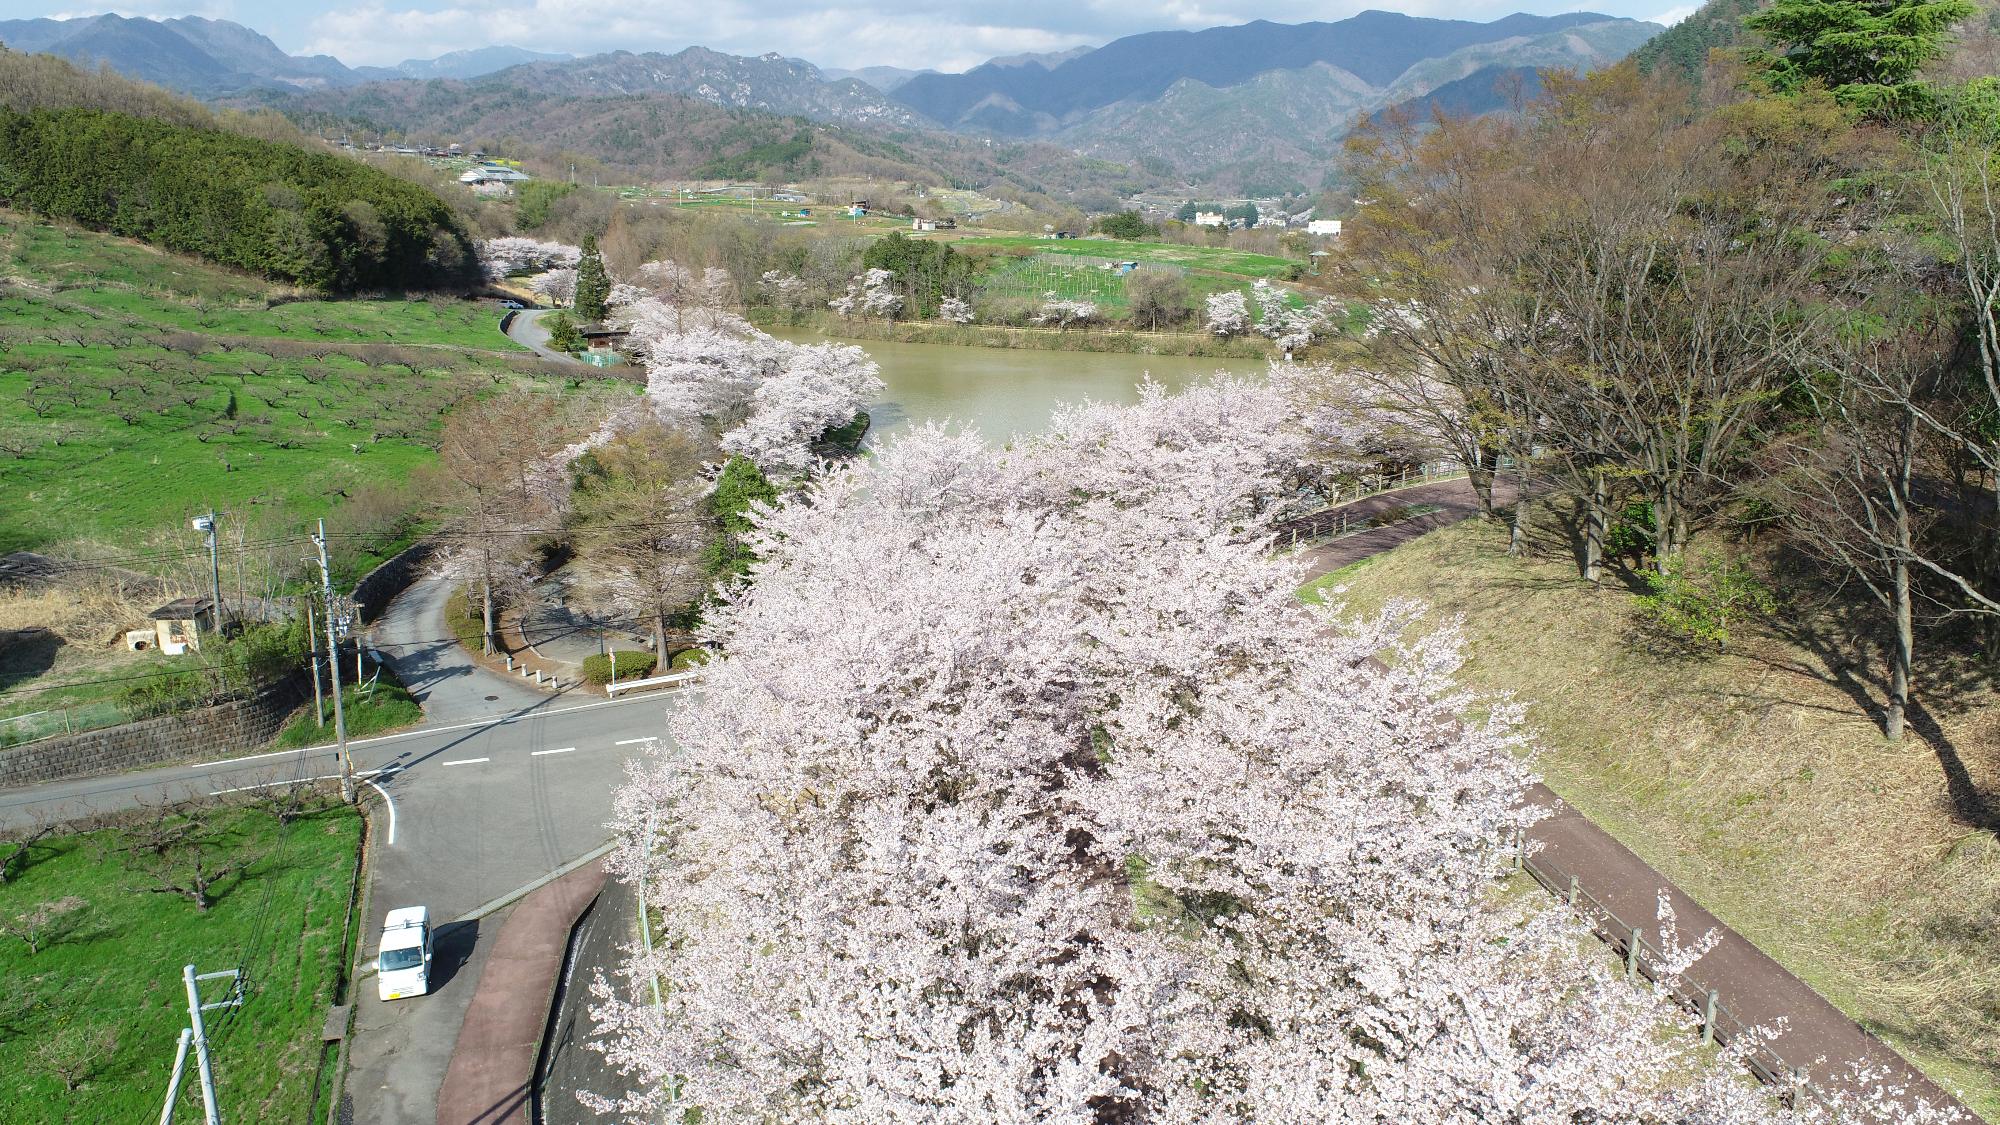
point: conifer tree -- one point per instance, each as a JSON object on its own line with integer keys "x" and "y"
{"x": 593, "y": 286}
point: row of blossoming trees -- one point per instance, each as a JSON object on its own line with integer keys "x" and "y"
{"x": 626, "y": 481}
{"x": 1028, "y": 791}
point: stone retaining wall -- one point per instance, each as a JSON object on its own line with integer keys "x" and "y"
{"x": 209, "y": 734}
{"x": 380, "y": 586}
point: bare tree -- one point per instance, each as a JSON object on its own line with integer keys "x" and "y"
{"x": 45, "y": 923}
{"x": 482, "y": 477}
{"x": 17, "y": 845}
{"x": 1849, "y": 488}
{"x": 640, "y": 530}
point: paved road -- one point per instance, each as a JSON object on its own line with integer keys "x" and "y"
{"x": 527, "y": 331}
{"x": 470, "y": 810}
{"x": 413, "y": 635}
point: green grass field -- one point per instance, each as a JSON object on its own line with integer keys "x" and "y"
{"x": 89, "y": 1023}
{"x": 138, "y": 388}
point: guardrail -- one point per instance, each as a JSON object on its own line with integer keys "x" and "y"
{"x": 1327, "y": 520}
{"x": 1645, "y": 959}
{"x": 612, "y": 690}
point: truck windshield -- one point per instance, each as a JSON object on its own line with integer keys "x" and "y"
{"x": 394, "y": 959}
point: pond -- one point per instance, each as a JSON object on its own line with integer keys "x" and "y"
{"x": 1001, "y": 391}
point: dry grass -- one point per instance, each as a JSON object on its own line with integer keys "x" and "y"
{"x": 56, "y": 634}
{"x": 1757, "y": 782}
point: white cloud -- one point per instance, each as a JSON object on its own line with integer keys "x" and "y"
{"x": 1672, "y": 16}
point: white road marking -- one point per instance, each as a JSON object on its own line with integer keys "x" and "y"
{"x": 636, "y": 741}
{"x": 364, "y": 774}
{"x": 392, "y": 809}
{"x": 539, "y": 753}
{"x": 465, "y": 762}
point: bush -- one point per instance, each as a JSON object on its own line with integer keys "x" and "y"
{"x": 1699, "y": 601}
{"x": 631, "y": 666}
{"x": 563, "y": 335}
{"x": 1631, "y": 533}
{"x": 1128, "y": 225}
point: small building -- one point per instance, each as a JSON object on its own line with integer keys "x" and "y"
{"x": 178, "y": 625}
{"x": 1328, "y": 227}
{"x": 789, "y": 197}
{"x": 1210, "y": 219}
{"x": 597, "y": 335}
{"x": 923, "y": 224}
{"x": 857, "y": 209}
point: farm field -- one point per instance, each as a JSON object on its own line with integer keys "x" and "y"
{"x": 90, "y": 1022}
{"x": 139, "y": 388}
{"x": 1216, "y": 259}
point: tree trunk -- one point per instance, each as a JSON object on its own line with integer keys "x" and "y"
{"x": 1482, "y": 488}
{"x": 1901, "y": 658}
{"x": 486, "y": 616}
{"x": 1517, "y": 535}
{"x": 660, "y": 643}
{"x": 1595, "y": 520}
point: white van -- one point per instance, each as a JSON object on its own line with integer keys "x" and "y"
{"x": 404, "y": 967}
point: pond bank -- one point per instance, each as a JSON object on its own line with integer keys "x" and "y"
{"x": 1095, "y": 340}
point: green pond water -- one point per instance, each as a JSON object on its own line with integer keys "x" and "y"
{"x": 1002, "y": 392}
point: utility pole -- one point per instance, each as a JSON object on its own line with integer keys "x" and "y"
{"x": 312, "y": 638}
{"x": 196, "y": 1033}
{"x": 206, "y": 525}
{"x": 333, "y": 666}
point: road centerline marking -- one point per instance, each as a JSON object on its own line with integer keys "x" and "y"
{"x": 466, "y": 762}
{"x": 539, "y": 753}
{"x": 636, "y": 741}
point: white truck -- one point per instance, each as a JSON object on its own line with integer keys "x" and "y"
{"x": 404, "y": 966}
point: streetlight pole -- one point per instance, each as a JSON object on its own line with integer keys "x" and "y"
{"x": 333, "y": 666}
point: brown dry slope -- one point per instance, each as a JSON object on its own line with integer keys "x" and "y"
{"x": 1755, "y": 781}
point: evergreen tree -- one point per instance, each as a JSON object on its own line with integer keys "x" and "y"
{"x": 1868, "y": 52}
{"x": 593, "y": 287}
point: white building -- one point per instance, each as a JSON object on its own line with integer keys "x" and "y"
{"x": 1209, "y": 219}
{"x": 1329, "y": 227}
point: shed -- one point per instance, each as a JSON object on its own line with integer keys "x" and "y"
{"x": 177, "y": 625}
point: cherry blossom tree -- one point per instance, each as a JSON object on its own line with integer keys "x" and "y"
{"x": 955, "y": 310}
{"x": 556, "y": 286}
{"x": 1065, "y": 313}
{"x": 1027, "y": 790}
{"x": 786, "y": 290}
{"x": 869, "y": 294}
{"x": 507, "y": 257}
{"x": 1227, "y": 314}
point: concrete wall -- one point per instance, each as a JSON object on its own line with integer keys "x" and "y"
{"x": 209, "y": 734}
{"x": 380, "y": 586}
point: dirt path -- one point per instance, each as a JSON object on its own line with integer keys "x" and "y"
{"x": 1819, "y": 1043}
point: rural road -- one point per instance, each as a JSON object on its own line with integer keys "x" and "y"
{"x": 526, "y": 330}
{"x": 471, "y": 808}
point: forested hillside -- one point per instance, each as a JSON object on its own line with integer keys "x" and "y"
{"x": 118, "y": 157}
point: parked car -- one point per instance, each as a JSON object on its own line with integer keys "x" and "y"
{"x": 404, "y": 966}
{"x": 512, "y": 304}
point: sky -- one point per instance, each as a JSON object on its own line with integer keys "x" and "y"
{"x": 938, "y": 34}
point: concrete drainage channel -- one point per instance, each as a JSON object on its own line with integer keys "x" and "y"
{"x": 566, "y": 1063}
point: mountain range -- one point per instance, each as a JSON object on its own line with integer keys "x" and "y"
{"x": 208, "y": 57}
{"x": 1256, "y": 109}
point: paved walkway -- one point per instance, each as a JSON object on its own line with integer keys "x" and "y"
{"x": 491, "y": 1077}
{"x": 1819, "y": 1039}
